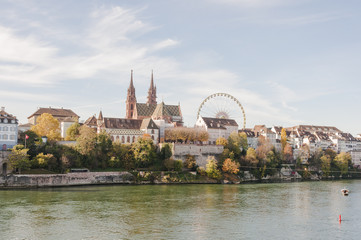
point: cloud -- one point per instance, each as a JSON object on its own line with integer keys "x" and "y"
{"x": 165, "y": 44}
{"x": 254, "y": 3}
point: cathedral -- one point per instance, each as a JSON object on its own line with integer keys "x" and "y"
{"x": 171, "y": 114}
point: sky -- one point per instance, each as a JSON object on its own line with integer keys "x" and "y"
{"x": 287, "y": 62}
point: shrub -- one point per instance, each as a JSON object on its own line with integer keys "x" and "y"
{"x": 211, "y": 169}
{"x": 178, "y": 165}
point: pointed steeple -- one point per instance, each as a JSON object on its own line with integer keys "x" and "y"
{"x": 152, "y": 92}
{"x": 131, "y": 99}
{"x": 100, "y": 117}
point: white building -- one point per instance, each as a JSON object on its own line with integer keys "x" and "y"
{"x": 8, "y": 129}
{"x": 217, "y": 127}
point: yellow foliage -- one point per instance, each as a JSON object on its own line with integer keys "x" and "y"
{"x": 230, "y": 166}
{"x": 47, "y": 125}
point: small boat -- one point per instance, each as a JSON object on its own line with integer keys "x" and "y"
{"x": 345, "y": 192}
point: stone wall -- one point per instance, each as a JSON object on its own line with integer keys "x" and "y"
{"x": 4, "y": 165}
{"x": 200, "y": 152}
{"x": 69, "y": 179}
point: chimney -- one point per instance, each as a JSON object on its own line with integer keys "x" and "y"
{"x": 3, "y": 109}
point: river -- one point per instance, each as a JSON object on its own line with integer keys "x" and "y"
{"x": 303, "y": 210}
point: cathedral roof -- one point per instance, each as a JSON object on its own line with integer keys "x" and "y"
{"x": 122, "y": 123}
{"x": 166, "y": 110}
{"x": 144, "y": 109}
{"x": 148, "y": 124}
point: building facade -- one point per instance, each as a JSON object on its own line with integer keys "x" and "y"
{"x": 8, "y": 130}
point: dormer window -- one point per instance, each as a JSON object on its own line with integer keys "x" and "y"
{"x": 5, "y": 120}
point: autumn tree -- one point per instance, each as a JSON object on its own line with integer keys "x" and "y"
{"x": 211, "y": 168}
{"x": 47, "y": 125}
{"x": 251, "y": 157}
{"x": 86, "y": 140}
{"x": 288, "y": 153}
{"x": 19, "y": 158}
{"x": 190, "y": 162}
{"x": 221, "y": 141}
{"x": 43, "y": 160}
{"x": 72, "y": 133}
{"x": 243, "y": 141}
{"x": 263, "y": 148}
{"x": 230, "y": 166}
{"x": 283, "y": 138}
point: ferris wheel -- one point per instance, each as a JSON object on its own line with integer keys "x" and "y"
{"x": 223, "y": 105}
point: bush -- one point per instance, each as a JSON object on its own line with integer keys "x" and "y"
{"x": 178, "y": 165}
{"x": 190, "y": 162}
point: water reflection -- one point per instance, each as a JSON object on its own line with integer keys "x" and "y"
{"x": 290, "y": 210}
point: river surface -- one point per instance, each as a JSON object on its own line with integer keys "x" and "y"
{"x": 305, "y": 210}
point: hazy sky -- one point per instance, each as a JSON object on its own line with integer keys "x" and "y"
{"x": 288, "y": 62}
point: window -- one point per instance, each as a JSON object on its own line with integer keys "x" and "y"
{"x": 5, "y": 129}
{"x": 152, "y": 131}
{"x": 133, "y": 138}
{"x": 5, "y": 137}
{"x": 152, "y": 137}
{"x": 131, "y": 106}
{"x": 128, "y": 139}
{"x": 12, "y": 137}
{"x": 123, "y": 139}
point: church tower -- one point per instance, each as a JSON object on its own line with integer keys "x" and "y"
{"x": 152, "y": 92}
{"x": 131, "y": 99}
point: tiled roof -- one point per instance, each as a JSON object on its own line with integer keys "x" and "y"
{"x": 219, "y": 123}
{"x": 5, "y": 115}
{"x": 144, "y": 109}
{"x": 122, "y": 123}
{"x": 55, "y": 112}
{"x": 92, "y": 121}
{"x": 248, "y": 132}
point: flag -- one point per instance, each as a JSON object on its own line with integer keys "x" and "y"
{"x": 26, "y": 136}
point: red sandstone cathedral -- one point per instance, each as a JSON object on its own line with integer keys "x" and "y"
{"x": 134, "y": 110}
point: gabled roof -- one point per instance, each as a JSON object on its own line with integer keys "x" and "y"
{"x": 148, "y": 123}
{"x": 92, "y": 121}
{"x": 5, "y": 115}
{"x": 55, "y": 112}
{"x": 248, "y": 132}
{"x": 219, "y": 123}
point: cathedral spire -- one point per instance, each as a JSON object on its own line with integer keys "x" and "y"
{"x": 131, "y": 99}
{"x": 152, "y": 92}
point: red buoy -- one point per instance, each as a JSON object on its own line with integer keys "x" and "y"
{"x": 339, "y": 218}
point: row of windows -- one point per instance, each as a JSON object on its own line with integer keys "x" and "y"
{"x": 122, "y": 139}
{"x": 7, "y": 137}
{"x": 5, "y": 129}
{"x": 7, "y": 121}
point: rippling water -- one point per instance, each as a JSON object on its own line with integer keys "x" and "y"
{"x": 306, "y": 210}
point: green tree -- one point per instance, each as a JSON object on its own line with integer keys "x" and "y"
{"x": 103, "y": 147}
{"x": 47, "y": 125}
{"x": 165, "y": 152}
{"x": 144, "y": 152}
{"x": 123, "y": 156}
{"x": 42, "y": 160}
{"x": 343, "y": 161}
{"x": 72, "y": 133}
{"x": 326, "y": 165}
{"x": 244, "y": 141}
{"x": 19, "y": 158}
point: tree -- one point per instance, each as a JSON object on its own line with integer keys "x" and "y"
{"x": 230, "y": 166}
{"x": 123, "y": 156}
{"x": 244, "y": 141}
{"x": 72, "y": 133}
{"x": 288, "y": 153}
{"x": 42, "y": 160}
{"x": 264, "y": 147}
{"x": 283, "y": 138}
{"x": 212, "y": 170}
{"x": 165, "y": 152}
{"x": 190, "y": 162}
{"x": 342, "y": 161}
{"x": 326, "y": 164}
{"x": 221, "y": 141}
{"x": 144, "y": 152}
{"x": 19, "y": 158}
{"x": 47, "y": 125}
{"x": 103, "y": 148}
{"x": 234, "y": 145}
{"x": 251, "y": 157}
{"x": 86, "y": 140}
